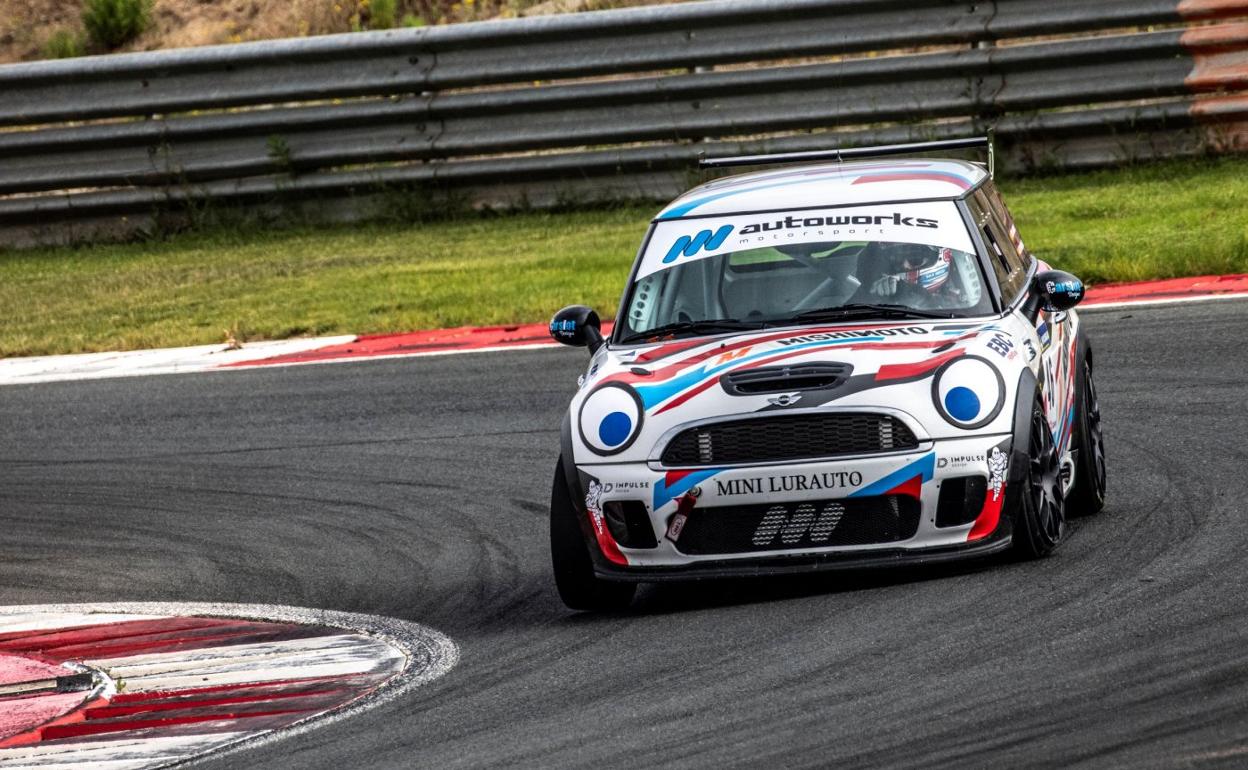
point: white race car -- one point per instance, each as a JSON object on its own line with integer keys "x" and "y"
{"x": 847, "y": 364}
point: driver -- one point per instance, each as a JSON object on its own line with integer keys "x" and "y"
{"x": 915, "y": 272}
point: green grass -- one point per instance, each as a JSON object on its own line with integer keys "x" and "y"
{"x": 1158, "y": 221}
{"x": 1163, "y": 220}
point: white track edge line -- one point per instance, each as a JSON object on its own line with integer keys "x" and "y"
{"x": 260, "y": 364}
{"x": 1162, "y": 301}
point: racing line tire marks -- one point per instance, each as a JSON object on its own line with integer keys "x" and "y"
{"x": 419, "y": 489}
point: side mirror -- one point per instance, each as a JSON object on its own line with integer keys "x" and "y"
{"x": 1054, "y": 291}
{"x": 578, "y": 326}
{"x": 1058, "y": 290}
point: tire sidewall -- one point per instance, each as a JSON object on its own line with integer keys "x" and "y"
{"x": 1084, "y": 498}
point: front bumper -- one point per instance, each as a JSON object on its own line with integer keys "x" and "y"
{"x": 795, "y": 536}
{"x": 815, "y": 562}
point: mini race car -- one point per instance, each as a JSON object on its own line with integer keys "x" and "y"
{"x": 845, "y": 364}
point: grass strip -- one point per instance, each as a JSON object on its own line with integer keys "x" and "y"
{"x": 1154, "y": 221}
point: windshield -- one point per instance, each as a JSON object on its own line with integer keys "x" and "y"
{"x": 701, "y": 276}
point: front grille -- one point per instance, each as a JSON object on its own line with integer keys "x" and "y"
{"x": 788, "y": 437}
{"x": 784, "y": 379}
{"x": 814, "y": 524}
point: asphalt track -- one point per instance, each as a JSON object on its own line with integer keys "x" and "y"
{"x": 418, "y": 488}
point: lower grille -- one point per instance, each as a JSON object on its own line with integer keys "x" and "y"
{"x": 786, "y": 526}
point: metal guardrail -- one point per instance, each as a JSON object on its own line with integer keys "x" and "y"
{"x": 465, "y": 108}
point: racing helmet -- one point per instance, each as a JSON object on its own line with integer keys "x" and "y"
{"x": 926, "y": 267}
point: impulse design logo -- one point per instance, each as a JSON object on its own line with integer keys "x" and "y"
{"x": 690, "y": 246}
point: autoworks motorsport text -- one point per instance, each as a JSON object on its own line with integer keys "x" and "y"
{"x": 851, "y": 364}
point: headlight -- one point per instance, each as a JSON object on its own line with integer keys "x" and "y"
{"x": 611, "y": 418}
{"x": 968, "y": 392}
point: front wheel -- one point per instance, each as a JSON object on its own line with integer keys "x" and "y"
{"x": 1040, "y": 520}
{"x": 578, "y": 586}
{"x": 1087, "y": 496}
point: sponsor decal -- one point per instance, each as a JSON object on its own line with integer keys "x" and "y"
{"x": 563, "y": 328}
{"x": 997, "y": 463}
{"x": 1046, "y": 339}
{"x": 1072, "y": 288}
{"x": 1001, "y": 344}
{"x": 689, "y": 246}
{"x": 990, "y": 514}
{"x": 624, "y": 486}
{"x": 593, "y": 506}
{"x": 785, "y": 399}
{"x": 955, "y": 462}
{"x": 1031, "y": 351}
{"x": 839, "y": 220}
{"x": 797, "y": 482}
{"x": 896, "y": 331}
{"x": 733, "y": 355}
{"x": 593, "y": 500}
{"x": 675, "y": 242}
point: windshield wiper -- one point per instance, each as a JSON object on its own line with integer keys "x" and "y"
{"x": 866, "y": 310}
{"x": 694, "y": 327}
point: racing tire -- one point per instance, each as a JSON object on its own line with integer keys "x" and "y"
{"x": 1040, "y": 519}
{"x": 578, "y": 586}
{"x": 1087, "y": 496}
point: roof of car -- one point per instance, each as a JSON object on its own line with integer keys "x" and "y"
{"x": 829, "y": 184}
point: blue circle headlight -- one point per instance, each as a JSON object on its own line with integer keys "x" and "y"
{"x": 968, "y": 392}
{"x": 610, "y": 419}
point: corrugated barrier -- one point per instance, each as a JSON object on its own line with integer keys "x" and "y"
{"x": 604, "y": 105}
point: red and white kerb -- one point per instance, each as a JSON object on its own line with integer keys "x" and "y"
{"x": 122, "y": 690}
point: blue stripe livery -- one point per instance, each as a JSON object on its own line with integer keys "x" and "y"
{"x": 925, "y": 466}
{"x": 664, "y": 494}
{"x": 653, "y": 395}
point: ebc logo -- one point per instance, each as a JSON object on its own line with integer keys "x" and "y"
{"x": 690, "y": 246}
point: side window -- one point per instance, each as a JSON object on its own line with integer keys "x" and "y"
{"x": 1007, "y": 224}
{"x": 1006, "y": 261}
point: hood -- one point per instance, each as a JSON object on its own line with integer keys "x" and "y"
{"x": 633, "y": 398}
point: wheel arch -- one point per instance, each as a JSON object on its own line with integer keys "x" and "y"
{"x": 576, "y": 491}
{"x": 1024, "y": 398}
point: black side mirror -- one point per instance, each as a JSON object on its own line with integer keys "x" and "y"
{"x": 578, "y": 326}
{"x": 1058, "y": 290}
{"x": 1053, "y": 291}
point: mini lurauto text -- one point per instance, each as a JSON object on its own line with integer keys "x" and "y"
{"x": 789, "y": 483}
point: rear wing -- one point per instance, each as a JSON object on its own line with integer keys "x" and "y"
{"x": 851, "y": 153}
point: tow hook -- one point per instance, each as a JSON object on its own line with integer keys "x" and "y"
{"x": 684, "y": 507}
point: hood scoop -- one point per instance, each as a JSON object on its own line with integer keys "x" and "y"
{"x": 785, "y": 379}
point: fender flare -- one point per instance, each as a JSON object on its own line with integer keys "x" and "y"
{"x": 1024, "y": 399}
{"x": 1020, "y": 443}
{"x": 1083, "y": 349}
{"x": 575, "y": 488}
{"x": 576, "y": 491}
